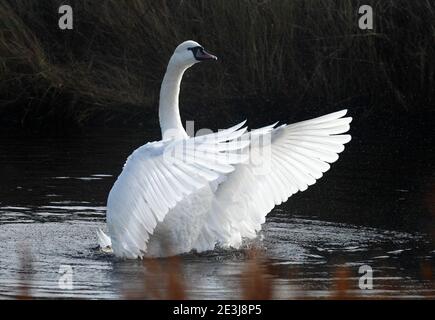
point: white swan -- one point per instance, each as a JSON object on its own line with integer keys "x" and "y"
{"x": 190, "y": 193}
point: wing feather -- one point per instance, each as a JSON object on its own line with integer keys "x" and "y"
{"x": 158, "y": 175}
{"x": 300, "y": 154}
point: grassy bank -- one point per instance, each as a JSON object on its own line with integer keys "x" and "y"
{"x": 304, "y": 54}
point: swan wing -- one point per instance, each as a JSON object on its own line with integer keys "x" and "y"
{"x": 283, "y": 161}
{"x": 158, "y": 175}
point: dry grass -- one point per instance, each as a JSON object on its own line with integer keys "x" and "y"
{"x": 300, "y": 52}
{"x": 162, "y": 280}
{"x": 25, "y": 274}
{"x": 256, "y": 279}
{"x": 341, "y": 284}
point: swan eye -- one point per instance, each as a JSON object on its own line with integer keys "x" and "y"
{"x": 195, "y": 50}
{"x": 200, "y": 54}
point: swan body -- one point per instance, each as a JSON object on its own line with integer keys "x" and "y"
{"x": 191, "y": 193}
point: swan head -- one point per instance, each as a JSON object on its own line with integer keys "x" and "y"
{"x": 190, "y": 52}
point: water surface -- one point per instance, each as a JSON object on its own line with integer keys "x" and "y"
{"x": 52, "y": 200}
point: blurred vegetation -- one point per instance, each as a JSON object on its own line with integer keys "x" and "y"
{"x": 286, "y": 53}
{"x": 165, "y": 279}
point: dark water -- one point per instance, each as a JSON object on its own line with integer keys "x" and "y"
{"x": 52, "y": 200}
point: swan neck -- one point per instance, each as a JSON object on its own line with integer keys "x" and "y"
{"x": 169, "y": 113}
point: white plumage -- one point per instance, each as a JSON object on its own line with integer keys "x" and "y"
{"x": 191, "y": 193}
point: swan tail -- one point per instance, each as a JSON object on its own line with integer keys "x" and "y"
{"x": 104, "y": 240}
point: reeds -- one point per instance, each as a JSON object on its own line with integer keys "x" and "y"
{"x": 298, "y": 52}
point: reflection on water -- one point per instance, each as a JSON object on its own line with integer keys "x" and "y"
{"x": 52, "y": 200}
